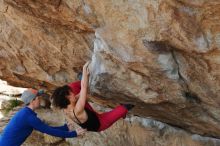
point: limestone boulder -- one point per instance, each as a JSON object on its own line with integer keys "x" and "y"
{"x": 161, "y": 55}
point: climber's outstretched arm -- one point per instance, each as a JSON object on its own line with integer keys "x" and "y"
{"x": 84, "y": 89}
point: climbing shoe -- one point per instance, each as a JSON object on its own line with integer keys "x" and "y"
{"x": 128, "y": 106}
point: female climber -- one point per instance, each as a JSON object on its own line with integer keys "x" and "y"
{"x": 72, "y": 98}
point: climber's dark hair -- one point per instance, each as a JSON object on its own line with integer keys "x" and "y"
{"x": 59, "y": 97}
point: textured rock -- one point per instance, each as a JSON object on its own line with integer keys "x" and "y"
{"x": 31, "y": 30}
{"x": 162, "y": 55}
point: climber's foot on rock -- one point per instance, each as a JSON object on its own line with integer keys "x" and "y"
{"x": 128, "y": 106}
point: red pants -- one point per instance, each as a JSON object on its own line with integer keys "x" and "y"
{"x": 108, "y": 118}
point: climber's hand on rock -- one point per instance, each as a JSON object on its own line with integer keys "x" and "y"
{"x": 86, "y": 68}
{"x": 85, "y": 77}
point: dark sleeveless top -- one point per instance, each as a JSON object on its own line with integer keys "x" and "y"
{"x": 92, "y": 123}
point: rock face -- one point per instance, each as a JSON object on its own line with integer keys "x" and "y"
{"x": 162, "y": 55}
{"x": 41, "y": 43}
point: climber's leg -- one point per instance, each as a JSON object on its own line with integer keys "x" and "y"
{"x": 108, "y": 118}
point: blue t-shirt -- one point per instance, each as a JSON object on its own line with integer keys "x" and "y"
{"x": 22, "y": 125}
